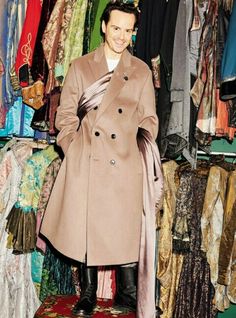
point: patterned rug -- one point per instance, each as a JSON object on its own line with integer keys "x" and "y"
{"x": 60, "y": 306}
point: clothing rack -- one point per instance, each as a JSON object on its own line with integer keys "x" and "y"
{"x": 29, "y": 139}
{"x": 35, "y": 143}
{"x": 227, "y": 154}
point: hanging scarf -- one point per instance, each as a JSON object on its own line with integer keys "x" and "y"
{"x": 92, "y": 96}
{"x": 152, "y": 194}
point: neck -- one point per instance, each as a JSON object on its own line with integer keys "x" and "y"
{"x": 110, "y": 54}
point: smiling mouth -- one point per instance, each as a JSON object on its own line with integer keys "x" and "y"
{"x": 119, "y": 44}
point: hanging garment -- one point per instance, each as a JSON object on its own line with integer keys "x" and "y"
{"x": 40, "y": 121}
{"x": 231, "y": 290}
{"x": 96, "y": 38}
{"x": 73, "y": 43}
{"x": 92, "y": 7}
{"x": 228, "y": 65}
{"x": 68, "y": 11}
{"x": 204, "y": 89}
{"x": 150, "y": 29}
{"x": 169, "y": 264}
{"x": 50, "y": 41}
{"x": 184, "y": 62}
{"x": 12, "y": 27}
{"x": 195, "y": 292}
{"x": 56, "y": 275}
{"x": 2, "y": 6}
{"x": 228, "y": 232}
{"x": 2, "y": 110}
{"x": 166, "y": 52}
{"x": 225, "y": 120}
{"x": 18, "y": 120}
{"x": 18, "y": 298}
{"x": 44, "y": 118}
{"x": 222, "y": 27}
{"x": 27, "y": 41}
{"x": 211, "y": 227}
{"x": 48, "y": 181}
{"x": 22, "y": 218}
{"x": 39, "y": 67}
{"x": 33, "y": 95}
{"x": 152, "y": 203}
{"x": 21, "y": 221}
{"x": 232, "y": 113}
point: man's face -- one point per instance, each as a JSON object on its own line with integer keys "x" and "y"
{"x": 118, "y": 33}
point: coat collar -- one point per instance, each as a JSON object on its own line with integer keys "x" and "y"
{"x": 99, "y": 66}
{"x": 120, "y": 77}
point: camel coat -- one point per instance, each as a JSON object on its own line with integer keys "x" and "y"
{"x": 96, "y": 204}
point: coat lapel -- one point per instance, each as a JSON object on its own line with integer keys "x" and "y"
{"x": 118, "y": 80}
{"x": 98, "y": 63}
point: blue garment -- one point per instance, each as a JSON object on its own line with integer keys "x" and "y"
{"x": 228, "y": 64}
{"x": 18, "y": 120}
{"x": 36, "y": 266}
{"x": 13, "y": 22}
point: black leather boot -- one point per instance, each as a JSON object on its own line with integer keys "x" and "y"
{"x": 126, "y": 289}
{"x": 88, "y": 291}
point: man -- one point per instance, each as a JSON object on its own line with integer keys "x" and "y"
{"x": 94, "y": 214}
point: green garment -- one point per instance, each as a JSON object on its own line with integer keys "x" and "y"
{"x": 96, "y": 37}
{"x": 74, "y": 41}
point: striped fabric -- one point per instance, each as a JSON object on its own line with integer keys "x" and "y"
{"x": 92, "y": 96}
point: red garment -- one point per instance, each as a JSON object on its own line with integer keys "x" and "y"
{"x": 222, "y": 122}
{"x": 27, "y": 41}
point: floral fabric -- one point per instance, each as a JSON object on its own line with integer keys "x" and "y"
{"x": 18, "y": 298}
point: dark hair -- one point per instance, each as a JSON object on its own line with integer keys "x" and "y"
{"x": 124, "y": 6}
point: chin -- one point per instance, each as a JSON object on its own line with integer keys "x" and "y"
{"x": 120, "y": 50}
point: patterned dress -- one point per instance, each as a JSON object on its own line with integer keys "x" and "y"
{"x": 195, "y": 291}
{"x": 21, "y": 223}
{"x": 18, "y": 298}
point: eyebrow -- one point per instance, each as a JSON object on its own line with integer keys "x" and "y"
{"x": 116, "y": 26}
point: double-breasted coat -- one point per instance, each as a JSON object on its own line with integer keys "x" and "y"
{"x": 96, "y": 204}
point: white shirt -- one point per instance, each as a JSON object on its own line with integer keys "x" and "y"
{"x": 112, "y": 64}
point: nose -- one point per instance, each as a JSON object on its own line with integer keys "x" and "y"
{"x": 122, "y": 35}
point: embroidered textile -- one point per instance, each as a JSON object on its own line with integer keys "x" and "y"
{"x": 27, "y": 41}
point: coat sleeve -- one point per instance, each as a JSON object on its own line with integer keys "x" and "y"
{"x": 147, "y": 108}
{"x": 67, "y": 120}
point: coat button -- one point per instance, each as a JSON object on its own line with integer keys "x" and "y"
{"x": 113, "y": 136}
{"x": 112, "y": 162}
{"x": 120, "y": 110}
{"x": 95, "y": 108}
{"x": 97, "y": 133}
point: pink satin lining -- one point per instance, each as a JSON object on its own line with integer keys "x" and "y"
{"x": 152, "y": 195}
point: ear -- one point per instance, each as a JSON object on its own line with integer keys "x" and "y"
{"x": 103, "y": 26}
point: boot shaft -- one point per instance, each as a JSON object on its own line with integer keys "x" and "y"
{"x": 126, "y": 288}
{"x": 126, "y": 277}
{"x": 88, "y": 291}
{"x": 88, "y": 277}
